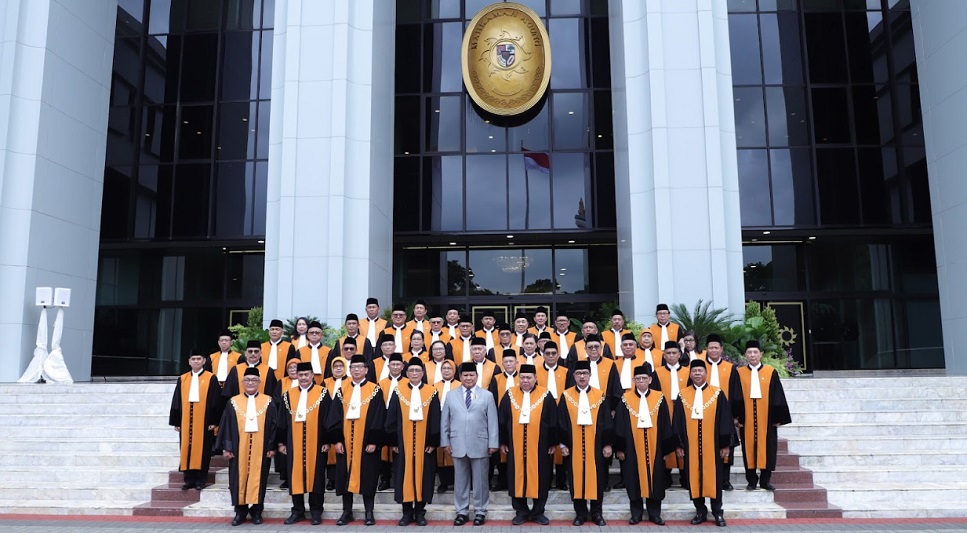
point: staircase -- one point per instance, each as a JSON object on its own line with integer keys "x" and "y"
{"x": 883, "y": 447}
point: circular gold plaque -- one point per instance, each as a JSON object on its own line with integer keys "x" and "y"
{"x": 506, "y": 58}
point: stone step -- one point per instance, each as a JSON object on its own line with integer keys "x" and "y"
{"x": 856, "y": 383}
{"x": 812, "y": 510}
{"x": 884, "y": 494}
{"x": 920, "y": 509}
{"x": 165, "y": 447}
{"x": 911, "y": 417}
{"x": 77, "y": 490}
{"x": 90, "y": 422}
{"x": 80, "y": 406}
{"x": 66, "y": 433}
{"x": 68, "y": 507}
{"x": 799, "y": 431}
{"x": 61, "y": 459}
{"x": 879, "y": 444}
{"x": 137, "y": 475}
{"x": 853, "y": 394}
{"x": 803, "y": 492}
{"x": 839, "y": 474}
{"x": 900, "y": 458}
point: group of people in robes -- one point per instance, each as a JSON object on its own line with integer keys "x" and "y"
{"x": 534, "y": 402}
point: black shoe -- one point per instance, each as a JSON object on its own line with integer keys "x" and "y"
{"x": 699, "y": 518}
{"x": 406, "y": 520}
{"x": 768, "y": 486}
{"x": 331, "y": 485}
{"x": 346, "y": 518}
{"x": 607, "y": 488}
{"x": 727, "y": 486}
{"x": 518, "y": 519}
{"x": 750, "y": 486}
{"x": 720, "y": 521}
{"x": 187, "y": 486}
{"x": 561, "y": 486}
{"x": 284, "y": 485}
{"x": 383, "y": 485}
{"x": 370, "y": 519}
{"x": 479, "y": 520}
{"x": 599, "y": 520}
{"x": 579, "y": 521}
{"x": 295, "y": 517}
{"x": 199, "y": 486}
{"x": 239, "y": 518}
{"x": 657, "y": 520}
{"x": 316, "y": 520}
{"x": 619, "y": 485}
{"x": 421, "y": 518}
{"x": 541, "y": 519}
{"x": 257, "y": 519}
{"x": 460, "y": 520}
{"x": 635, "y": 518}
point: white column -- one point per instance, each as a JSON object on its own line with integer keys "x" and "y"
{"x": 55, "y": 79}
{"x": 940, "y": 33}
{"x": 329, "y": 221}
{"x": 676, "y": 179}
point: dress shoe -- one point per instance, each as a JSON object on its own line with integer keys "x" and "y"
{"x": 295, "y": 517}
{"x": 768, "y": 486}
{"x": 460, "y": 520}
{"x": 599, "y": 520}
{"x": 316, "y": 520}
{"x": 634, "y": 519}
{"x": 579, "y": 521}
{"x": 699, "y": 518}
{"x": 187, "y": 486}
{"x": 441, "y": 489}
{"x": 370, "y": 519}
{"x": 383, "y": 485}
{"x": 346, "y": 518}
{"x": 561, "y": 486}
{"x": 199, "y": 486}
{"x": 257, "y": 519}
{"x": 518, "y": 519}
{"x": 284, "y": 485}
{"x": 331, "y": 485}
{"x": 657, "y": 520}
{"x": 607, "y": 488}
{"x": 421, "y": 518}
{"x": 750, "y": 486}
{"x": 406, "y": 520}
{"x": 720, "y": 521}
{"x": 479, "y": 520}
{"x": 239, "y": 518}
{"x": 727, "y": 486}
{"x": 619, "y": 485}
{"x": 541, "y": 519}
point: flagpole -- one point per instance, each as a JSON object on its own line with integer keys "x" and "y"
{"x": 527, "y": 191}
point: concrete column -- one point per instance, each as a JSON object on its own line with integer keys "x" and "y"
{"x": 55, "y": 79}
{"x": 329, "y": 221}
{"x": 940, "y": 33}
{"x": 676, "y": 178}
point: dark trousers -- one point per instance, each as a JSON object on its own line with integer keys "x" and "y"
{"x": 315, "y": 503}
{"x": 446, "y": 475}
{"x": 639, "y": 505}
{"x": 410, "y": 507}
{"x": 347, "y": 502}
{"x": 252, "y": 510}
{"x": 700, "y": 508}
{"x": 386, "y": 470}
{"x": 196, "y": 477}
{"x": 520, "y": 505}
{"x": 725, "y": 469}
{"x": 560, "y": 475}
{"x": 581, "y": 508}
{"x": 763, "y": 478}
{"x": 330, "y": 474}
{"x": 281, "y": 465}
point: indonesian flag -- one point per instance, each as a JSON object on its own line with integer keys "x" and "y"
{"x": 538, "y": 161}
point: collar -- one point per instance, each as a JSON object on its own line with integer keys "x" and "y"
{"x": 703, "y": 387}
{"x": 645, "y": 394}
{"x": 420, "y": 386}
{"x": 197, "y": 373}
{"x": 585, "y": 390}
{"x": 363, "y": 382}
{"x": 275, "y": 343}
{"x": 756, "y": 367}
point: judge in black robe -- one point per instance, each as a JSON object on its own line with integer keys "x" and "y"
{"x": 195, "y": 421}
{"x": 248, "y": 452}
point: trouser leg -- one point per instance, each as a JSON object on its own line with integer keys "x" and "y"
{"x": 765, "y": 476}
{"x": 347, "y": 502}
{"x": 539, "y": 505}
{"x": 750, "y": 477}
{"x": 653, "y": 506}
{"x": 298, "y": 503}
{"x": 637, "y": 507}
{"x": 716, "y": 506}
{"x": 581, "y": 508}
{"x": 481, "y": 487}
{"x": 369, "y": 502}
{"x": 700, "y": 508}
{"x": 520, "y": 505}
{"x": 316, "y": 502}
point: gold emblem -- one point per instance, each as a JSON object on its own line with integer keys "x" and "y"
{"x": 506, "y": 59}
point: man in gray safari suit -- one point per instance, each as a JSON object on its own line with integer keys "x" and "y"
{"x": 468, "y": 432}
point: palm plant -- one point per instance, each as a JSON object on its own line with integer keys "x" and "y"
{"x": 703, "y": 320}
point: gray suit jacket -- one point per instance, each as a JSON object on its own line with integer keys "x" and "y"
{"x": 469, "y": 432}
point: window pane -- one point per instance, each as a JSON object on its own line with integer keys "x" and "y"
{"x": 572, "y": 270}
{"x": 530, "y": 192}
{"x": 443, "y": 124}
{"x": 158, "y": 125}
{"x": 196, "y": 133}
{"x": 603, "y": 269}
{"x": 531, "y": 135}
{"x": 571, "y": 125}
{"x": 844, "y": 266}
{"x": 919, "y": 335}
{"x": 443, "y": 71}
{"x": 245, "y": 276}
{"x": 202, "y": 16}
{"x": 878, "y": 183}
{"x": 458, "y": 276}
{"x": 825, "y": 44}
{"x": 407, "y": 136}
{"x": 482, "y": 136}
{"x": 851, "y": 334}
{"x": 868, "y": 47}
{"x": 744, "y": 46}
{"x": 192, "y": 185}
{"x": 568, "y": 41}
{"x": 407, "y": 48}
{"x": 781, "y": 48}
{"x": 772, "y": 268}
{"x": 750, "y": 124}
{"x": 262, "y": 135}
{"x": 792, "y": 187}
{"x": 164, "y": 19}
{"x": 243, "y": 14}
{"x": 754, "y": 188}
{"x": 261, "y": 184}
{"x": 198, "y": 67}
{"x": 161, "y": 71}
{"x": 419, "y": 272}
{"x": 116, "y": 201}
{"x": 265, "y": 67}
{"x": 442, "y": 9}
{"x": 570, "y": 175}
{"x": 511, "y": 271}
{"x": 603, "y": 132}
{"x": 830, "y": 116}
{"x": 872, "y": 114}
{"x": 234, "y": 199}
{"x": 838, "y": 197}
{"x": 565, "y": 7}
{"x": 601, "y": 53}
{"x": 487, "y": 192}
{"x": 445, "y": 176}
{"x": 236, "y": 140}
{"x": 239, "y": 66}
{"x": 406, "y": 196}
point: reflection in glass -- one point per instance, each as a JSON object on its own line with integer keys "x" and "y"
{"x": 446, "y": 181}
{"x": 571, "y": 270}
{"x": 196, "y": 132}
{"x": 265, "y": 67}
{"x": 198, "y": 67}
{"x": 406, "y": 194}
{"x": 919, "y": 333}
{"x": 568, "y": 42}
{"x": 238, "y": 68}
{"x": 442, "y": 69}
{"x": 443, "y": 123}
{"x": 781, "y": 48}
{"x": 243, "y": 14}
{"x": 744, "y": 45}
{"x": 843, "y": 266}
{"x": 772, "y": 268}
{"x": 531, "y": 135}
{"x": 442, "y": 9}
{"x": 878, "y": 183}
{"x": 792, "y": 187}
{"x": 261, "y": 185}
{"x": 851, "y": 334}
{"x": 511, "y": 271}
{"x": 787, "y": 116}
{"x": 407, "y": 47}
{"x": 750, "y": 123}
{"x": 161, "y": 68}
{"x": 162, "y": 19}
{"x": 571, "y": 125}
{"x": 262, "y": 135}
{"x": 191, "y": 207}
{"x": 234, "y": 199}
{"x": 530, "y": 191}
{"x": 458, "y": 276}
{"x": 824, "y": 45}
{"x": 571, "y": 183}
{"x": 236, "y": 135}
{"x": 838, "y": 197}
{"x": 482, "y": 136}
{"x": 830, "y": 116}
{"x": 872, "y": 115}
{"x": 754, "y": 188}
{"x": 158, "y": 133}
{"x": 866, "y": 38}
{"x": 407, "y": 135}
{"x": 487, "y": 192}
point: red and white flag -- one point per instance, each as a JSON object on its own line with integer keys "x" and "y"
{"x": 539, "y": 161}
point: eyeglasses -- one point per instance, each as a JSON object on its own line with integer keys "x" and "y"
{"x": 349, "y": 349}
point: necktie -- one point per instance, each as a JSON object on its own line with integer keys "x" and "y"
{"x": 675, "y": 390}
{"x": 562, "y": 338}
{"x": 371, "y": 331}
{"x": 399, "y": 338}
{"x": 193, "y": 395}
{"x": 223, "y": 367}
{"x": 274, "y": 356}
{"x": 713, "y": 374}
{"x": 664, "y": 335}
{"x": 755, "y": 389}
{"x": 468, "y": 398}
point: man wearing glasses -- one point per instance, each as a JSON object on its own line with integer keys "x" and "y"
{"x": 361, "y": 343}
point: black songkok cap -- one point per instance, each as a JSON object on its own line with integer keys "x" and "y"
{"x": 421, "y": 301}
{"x": 644, "y": 368}
{"x": 252, "y": 371}
{"x": 509, "y": 353}
{"x": 226, "y": 333}
{"x": 276, "y": 323}
{"x": 314, "y": 324}
{"x": 520, "y": 314}
{"x": 415, "y": 361}
{"x": 465, "y": 318}
{"x": 468, "y": 367}
{"x": 671, "y": 344}
{"x": 293, "y": 356}
{"x": 386, "y": 337}
{"x": 253, "y": 344}
{"x": 194, "y": 351}
{"x": 487, "y": 313}
{"x": 540, "y": 309}
{"x": 628, "y": 337}
{"x": 352, "y": 316}
{"x": 504, "y": 327}
{"x": 544, "y": 335}
{"x": 697, "y": 362}
{"x": 372, "y": 301}
{"x": 396, "y": 356}
{"x": 587, "y": 319}
{"x": 713, "y": 337}
{"x": 594, "y": 337}
{"x": 752, "y": 344}
{"x": 478, "y": 341}
{"x": 399, "y": 307}
{"x": 358, "y": 358}
{"x": 617, "y": 312}
{"x": 584, "y": 364}
{"x": 527, "y": 369}
{"x": 661, "y": 307}
{"x": 550, "y": 344}
{"x": 350, "y": 341}
{"x": 304, "y": 367}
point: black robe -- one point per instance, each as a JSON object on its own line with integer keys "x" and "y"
{"x": 373, "y": 434}
{"x": 724, "y": 428}
{"x": 624, "y": 441}
{"x": 395, "y": 434}
{"x": 229, "y": 436}
{"x": 212, "y": 413}
{"x": 285, "y": 435}
{"x": 604, "y": 436}
{"x": 778, "y": 414}
{"x": 507, "y": 418}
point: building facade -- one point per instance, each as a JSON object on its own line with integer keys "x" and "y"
{"x": 176, "y": 163}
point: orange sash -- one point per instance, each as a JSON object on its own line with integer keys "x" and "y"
{"x": 193, "y": 421}
{"x": 250, "y": 451}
